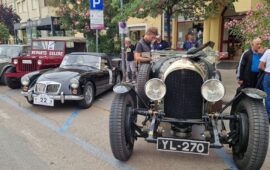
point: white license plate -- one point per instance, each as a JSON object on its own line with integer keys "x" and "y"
{"x": 43, "y": 99}
{"x": 27, "y": 61}
{"x": 183, "y": 145}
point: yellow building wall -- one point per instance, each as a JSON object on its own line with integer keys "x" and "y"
{"x": 245, "y": 5}
{"x": 212, "y": 26}
{"x": 212, "y": 31}
{"x": 26, "y": 10}
{"x": 147, "y": 22}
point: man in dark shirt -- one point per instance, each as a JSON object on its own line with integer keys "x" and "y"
{"x": 248, "y": 68}
{"x": 160, "y": 44}
{"x": 130, "y": 62}
{"x": 144, "y": 45}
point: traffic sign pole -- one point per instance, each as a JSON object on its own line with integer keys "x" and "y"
{"x": 96, "y": 18}
{"x": 97, "y": 40}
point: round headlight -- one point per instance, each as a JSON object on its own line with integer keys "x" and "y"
{"x": 213, "y": 90}
{"x": 25, "y": 81}
{"x": 74, "y": 83}
{"x": 155, "y": 89}
{"x": 15, "y": 61}
{"x": 39, "y": 62}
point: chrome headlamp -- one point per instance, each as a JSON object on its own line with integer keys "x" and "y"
{"x": 74, "y": 83}
{"x": 25, "y": 80}
{"x": 15, "y": 61}
{"x": 155, "y": 89}
{"x": 213, "y": 90}
{"x": 39, "y": 62}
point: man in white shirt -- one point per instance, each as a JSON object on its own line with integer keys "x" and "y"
{"x": 265, "y": 65}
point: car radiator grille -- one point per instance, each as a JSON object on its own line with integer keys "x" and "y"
{"x": 52, "y": 88}
{"x": 47, "y": 88}
{"x": 27, "y": 67}
{"x": 183, "y": 99}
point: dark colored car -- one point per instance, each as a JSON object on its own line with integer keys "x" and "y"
{"x": 178, "y": 102}
{"x": 7, "y": 52}
{"x": 46, "y": 52}
{"x": 80, "y": 77}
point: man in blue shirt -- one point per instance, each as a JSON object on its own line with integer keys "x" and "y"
{"x": 161, "y": 44}
{"x": 248, "y": 69}
{"x": 190, "y": 42}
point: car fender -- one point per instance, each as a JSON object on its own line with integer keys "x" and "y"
{"x": 122, "y": 88}
{"x": 33, "y": 76}
{"x": 5, "y": 68}
{"x": 254, "y": 93}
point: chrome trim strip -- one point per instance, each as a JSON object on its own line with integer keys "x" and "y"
{"x": 31, "y": 95}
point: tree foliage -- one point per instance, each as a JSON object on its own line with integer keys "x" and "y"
{"x": 76, "y": 16}
{"x": 172, "y": 8}
{"x": 256, "y": 23}
{"x": 186, "y": 8}
{"x": 8, "y": 17}
{"x": 4, "y": 33}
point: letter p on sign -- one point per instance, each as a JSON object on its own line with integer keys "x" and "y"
{"x": 96, "y": 4}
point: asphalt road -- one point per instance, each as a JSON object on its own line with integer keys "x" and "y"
{"x": 64, "y": 137}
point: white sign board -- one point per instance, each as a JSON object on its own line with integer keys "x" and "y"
{"x": 96, "y": 14}
{"x": 96, "y": 19}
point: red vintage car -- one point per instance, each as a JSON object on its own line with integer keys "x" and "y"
{"x": 44, "y": 53}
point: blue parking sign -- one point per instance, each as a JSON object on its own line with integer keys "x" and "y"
{"x": 96, "y": 4}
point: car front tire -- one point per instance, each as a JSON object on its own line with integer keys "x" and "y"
{"x": 13, "y": 83}
{"x": 89, "y": 94}
{"x": 250, "y": 151}
{"x": 122, "y": 132}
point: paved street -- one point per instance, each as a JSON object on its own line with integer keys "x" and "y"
{"x": 64, "y": 137}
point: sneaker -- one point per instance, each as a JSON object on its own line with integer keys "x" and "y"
{"x": 133, "y": 82}
{"x": 128, "y": 81}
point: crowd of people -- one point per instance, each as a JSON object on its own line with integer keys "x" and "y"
{"x": 149, "y": 42}
{"x": 254, "y": 70}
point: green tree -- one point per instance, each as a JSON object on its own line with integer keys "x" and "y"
{"x": 74, "y": 15}
{"x": 4, "y": 33}
{"x": 8, "y": 17}
{"x": 172, "y": 8}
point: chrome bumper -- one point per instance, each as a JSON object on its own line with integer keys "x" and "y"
{"x": 62, "y": 97}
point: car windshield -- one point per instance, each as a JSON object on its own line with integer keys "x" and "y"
{"x": 10, "y": 51}
{"x": 48, "y": 45}
{"x": 81, "y": 61}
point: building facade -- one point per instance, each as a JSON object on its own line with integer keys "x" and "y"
{"x": 204, "y": 30}
{"x": 38, "y": 19}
